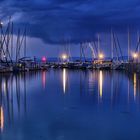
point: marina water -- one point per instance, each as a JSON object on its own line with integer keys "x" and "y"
{"x": 67, "y": 104}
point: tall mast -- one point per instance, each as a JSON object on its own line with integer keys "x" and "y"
{"x": 138, "y": 39}
{"x": 128, "y": 44}
{"x": 112, "y": 45}
{"x": 98, "y": 44}
{"x": 25, "y": 43}
{"x": 80, "y": 52}
{"x": 69, "y": 50}
{"x": 12, "y": 40}
{"x": 1, "y": 40}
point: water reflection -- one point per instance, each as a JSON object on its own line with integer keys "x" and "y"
{"x": 135, "y": 85}
{"x": 12, "y": 97}
{"x": 4, "y": 86}
{"x": 1, "y": 119}
{"x": 20, "y": 97}
{"x": 44, "y": 79}
{"x": 113, "y": 85}
{"x": 64, "y": 80}
{"x": 128, "y": 89}
{"x": 101, "y": 84}
{"x": 112, "y": 89}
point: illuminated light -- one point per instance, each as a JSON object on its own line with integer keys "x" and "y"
{"x": 1, "y": 118}
{"x": 44, "y": 79}
{"x": 135, "y": 85}
{"x": 101, "y": 56}
{"x": 135, "y": 55}
{"x": 20, "y": 65}
{"x": 101, "y": 84}
{"x": 64, "y": 56}
{"x": 64, "y": 80}
{"x": 44, "y": 59}
{"x": 1, "y": 24}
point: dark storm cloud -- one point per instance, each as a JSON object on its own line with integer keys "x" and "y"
{"x": 55, "y": 21}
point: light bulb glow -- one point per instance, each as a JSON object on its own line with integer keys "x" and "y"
{"x": 101, "y": 56}
{"x": 44, "y": 59}
{"x": 64, "y": 56}
{"x": 135, "y": 55}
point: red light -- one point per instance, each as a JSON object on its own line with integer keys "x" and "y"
{"x": 44, "y": 59}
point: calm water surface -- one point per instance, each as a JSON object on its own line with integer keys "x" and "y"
{"x": 70, "y": 105}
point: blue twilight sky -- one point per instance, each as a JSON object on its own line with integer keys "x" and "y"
{"x": 52, "y": 23}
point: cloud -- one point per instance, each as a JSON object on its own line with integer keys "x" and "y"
{"x": 56, "y": 21}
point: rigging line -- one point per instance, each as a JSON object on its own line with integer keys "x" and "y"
{"x": 83, "y": 52}
{"x": 119, "y": 46}
{"x": 2, "y": 45}
{"x": 93, "y": 52}
{"x": 137, "y": 46}
{"x": 96, "y": 49}
{"x": 21, "y": 41}
{"x": 17, "y": 45}
{"x": 115, "y": 45}
{"x": 7, "y": 43}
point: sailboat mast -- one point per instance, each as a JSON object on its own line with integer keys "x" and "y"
{"x": 81, "y": 52}
{"x": 128, "y": 44}
{"x": 69, "y": 50}
{"x": 112, "y": 45}
{"x": 138, "y": 39}
{"x": 25, "y": 44}
{"x": 98, "y": 44}
{"x": 12, "y": 40}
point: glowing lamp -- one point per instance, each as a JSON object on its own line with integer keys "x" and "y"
{"x": 1, "y": 24}
{"x": 64, "y": 56}
{"x": 135, "y": 55}
{"x": 44, "y": 59}
{"x": 101, "y": 56}
{"x": 20, "y": 65}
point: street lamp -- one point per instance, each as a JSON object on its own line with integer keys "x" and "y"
{"x": 101, "y": 56}
{"x": 135, "y": 55}
{"x": 64, "y": 57}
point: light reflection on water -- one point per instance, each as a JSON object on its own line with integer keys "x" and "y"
{"x": 101, "y": 83}
{"x": 64, "y": 80}
{"x": 90, "y": 96}
{"x": 1, "y": 119}
{"x": 135, "y": 86}
{"x": 44, "y": 79}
